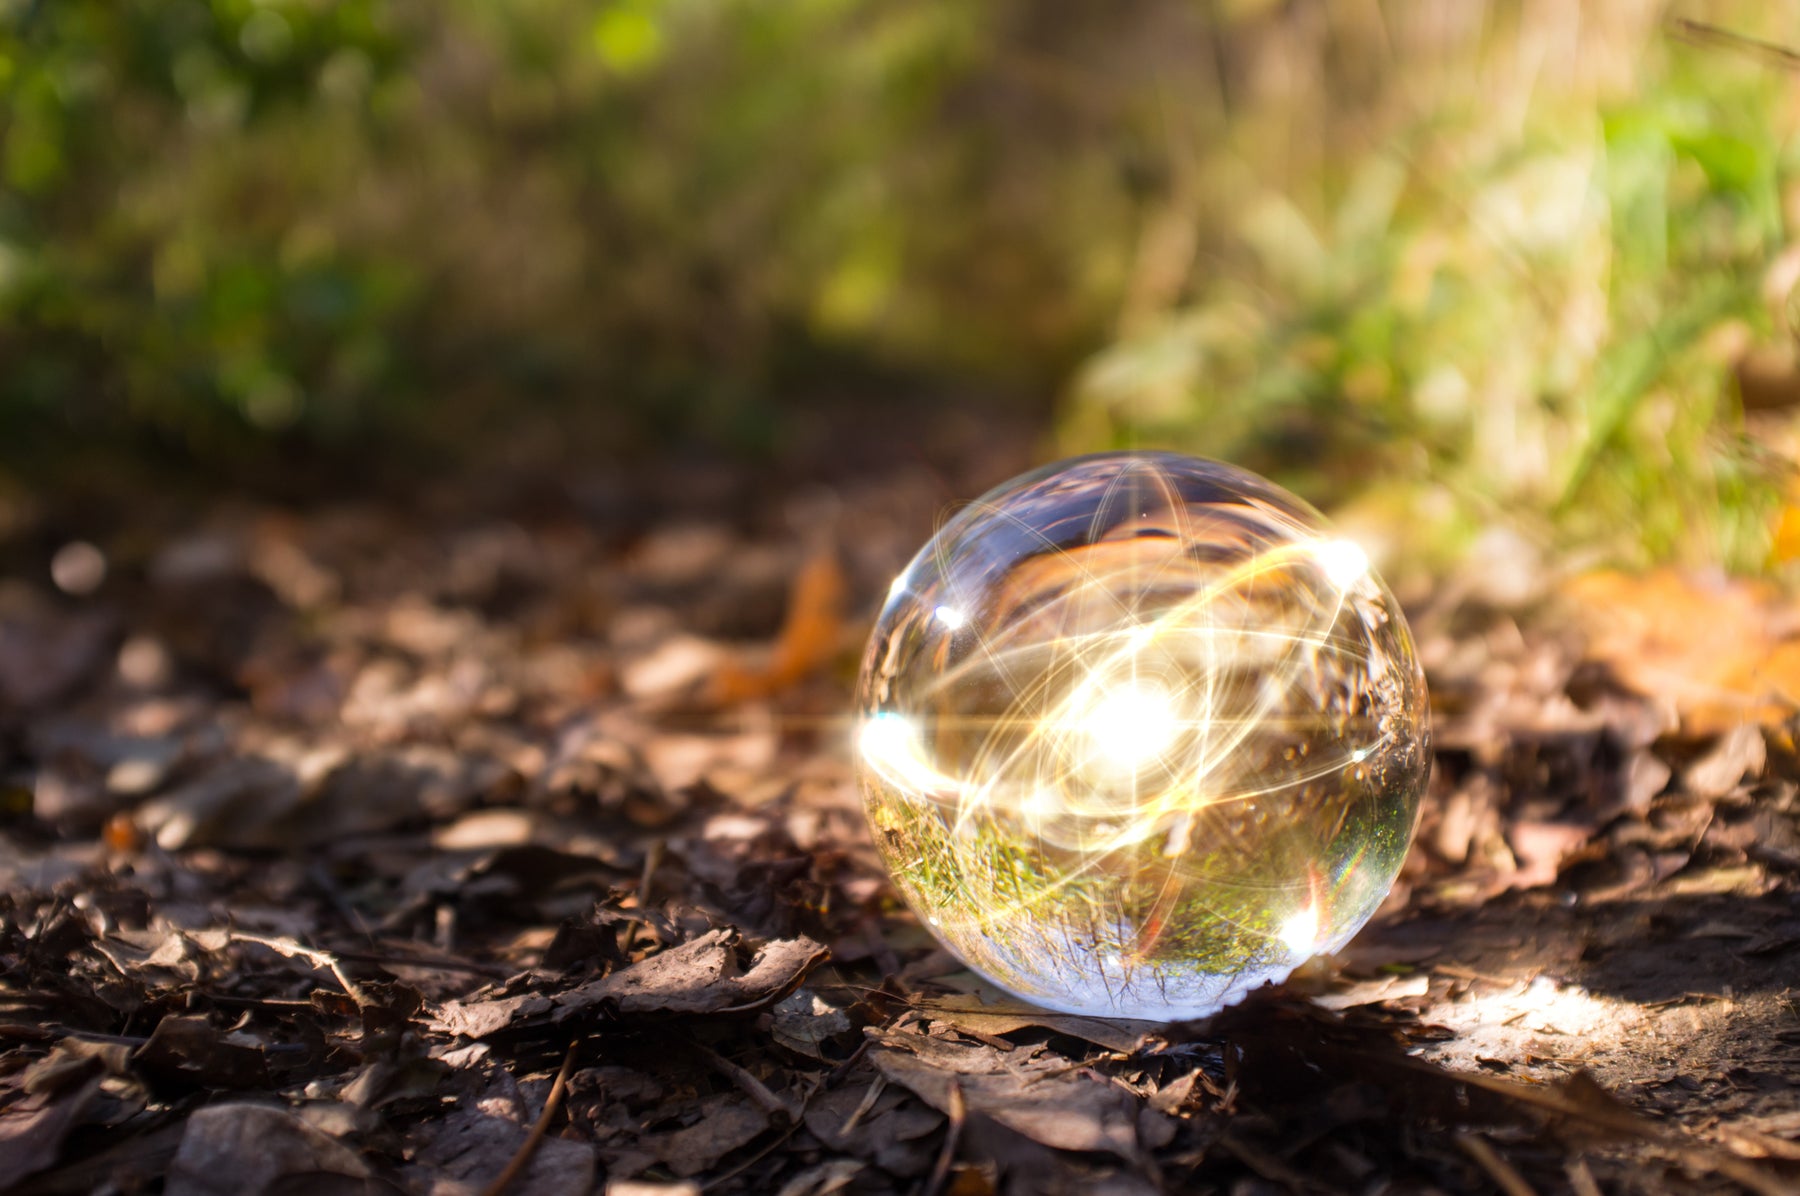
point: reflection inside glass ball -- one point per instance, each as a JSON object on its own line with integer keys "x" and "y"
{"x": 1138, "y": 733}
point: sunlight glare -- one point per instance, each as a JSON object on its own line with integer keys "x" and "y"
{"x": 1131, "y": 724}
{"x": 1343, "y": 561}
{"x": 1301, "y": 932}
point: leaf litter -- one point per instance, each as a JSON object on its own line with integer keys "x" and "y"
{"x": 505, "y": 841}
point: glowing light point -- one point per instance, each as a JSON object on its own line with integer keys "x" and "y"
{"x": 1038, "y": 804}
{"x": 889, "y": 745}
{"x": 1301, "y": 932}
{"x": 1130, "y": 725}
{"x": 881, "y": 735}
{"x": 1116, "y": 788}
{"x": 1344, "y": 562}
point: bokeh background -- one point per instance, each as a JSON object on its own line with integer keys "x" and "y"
{"x": 1443, "y": 267}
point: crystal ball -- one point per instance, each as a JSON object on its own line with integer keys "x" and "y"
{"x": 1138, "y": 733}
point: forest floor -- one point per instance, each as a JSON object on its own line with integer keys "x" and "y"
{"x": 506, "y": 839}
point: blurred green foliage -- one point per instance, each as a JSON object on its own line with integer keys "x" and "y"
{"x": 168, "y": 255}
{"x": 1438, "y": 263}
{"x": 1508, "y": 285}
{"x": 237, "y": 217}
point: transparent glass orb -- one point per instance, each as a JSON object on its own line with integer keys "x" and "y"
{"x": 1138, "y": 733}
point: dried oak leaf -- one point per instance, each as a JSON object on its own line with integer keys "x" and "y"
{"x": 463, "y": 1153}
{"x": 892, "y": 1130}
{"x": 808, "y": 1025}
{"x": 705, "y": 975}
{"x": 190, "y": 1051}
{"x": 33, "y": 1128}
{"x": 719, "y": 972}
{"x": 810, "y": 637}
{"x": 232, "y": 1148}
{"x": 480, "y": 1018}
{"x": 1724, "y": 651}
{"x": 967, "y": 1011}
{"x": 726, "y": 1122}
{"x": 1038, "y": 1096}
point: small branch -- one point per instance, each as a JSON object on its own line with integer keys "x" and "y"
{"x": 432, "y": 963}
{"x": 1699, "y": 33}
{"x": 528, "y": 1148}
{"x": 318, "y": 959}
{"x": 1505, "y": 1176}
{"x": 783, "y": 1111}
{"x": 726, "y": 1177}
{"x": 652, "y": 861}
{"x": 958, "y": 1114}
{"x": 51, "y": 1031}
{"x": 876, "y": 1088}
{"x": 1581, "y": 1179}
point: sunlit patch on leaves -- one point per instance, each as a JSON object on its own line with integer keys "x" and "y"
{"x": 1726, "y": 652}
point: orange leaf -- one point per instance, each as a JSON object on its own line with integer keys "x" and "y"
{"x": 809, "y": 636}
{"x": 1720, "y": 649}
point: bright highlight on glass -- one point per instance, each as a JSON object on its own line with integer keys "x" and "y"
{"x": 1139, "y": 734}
{"x": 1130, "y": 725}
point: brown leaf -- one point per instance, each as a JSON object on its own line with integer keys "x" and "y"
{"x": 1740, "y": 753}
{"x": 726, "y": 1122}
{"x": 33, "y": 1129}
{"x": 463, "y": 1153}
{"x": 1722, "y": 650}
{"x": 887, "y": 1127}
{"x": 1040, "y": 1097}
{"x": 807, "y": 1025}
{"x": 189, "y": 1050}
{"x": 701, "y": 976}
{"x": 967, "y": 1011}
{"x": 809, "y": 637}
{"x": 233, "y": 1148}
{"x": 480, "y": 1018}
{"x": 1540, "y": 846}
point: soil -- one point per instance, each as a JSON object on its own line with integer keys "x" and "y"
{"x": 503, "y": 837}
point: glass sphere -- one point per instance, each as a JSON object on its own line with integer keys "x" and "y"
{"x": 1137, "y": 733}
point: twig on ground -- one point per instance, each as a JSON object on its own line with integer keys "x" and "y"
{"x": 433, "y": 963}
{"x": 1699, "y": 33}
{"x": 1504, "y": 1175}
{"x": 876, "y": 1088}
{"x": 293, "y": 949}
{"x": 782, "y": 1109}
{"x": 958, "y": 1114}
{"x": 1581, "y": 1179}
{"x": 528, "y": 1148}
{"x": 652, "y": 861}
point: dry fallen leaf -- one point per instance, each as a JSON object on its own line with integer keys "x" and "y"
{"x": 1724, "y": 651}
{"x": 715, "y": 973}
{"x": 230, "y": 1149}
{"x": 1041, "y": 1097}
{"x": 33, "y": 1129}
{"x": 967, "y": 1011}
{"x": 462, "y": 1155}
{"x": 810, "y": 636}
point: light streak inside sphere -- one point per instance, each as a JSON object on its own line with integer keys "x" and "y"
{"x": 1139, "y": 733}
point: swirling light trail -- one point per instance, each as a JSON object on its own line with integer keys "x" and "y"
{"x": 1097, "y": 725}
